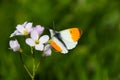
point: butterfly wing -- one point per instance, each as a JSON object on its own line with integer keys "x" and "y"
{"x": 72, "y": 34}
{"x": 56, "y": 44}
{"x": 69, "y": 44}
{"x": 70, "y": 37}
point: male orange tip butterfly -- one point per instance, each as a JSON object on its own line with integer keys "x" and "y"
{"x": 65, "y": 40}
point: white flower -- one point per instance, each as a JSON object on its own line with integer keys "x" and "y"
{"x": 14, "y": 45}
{"x": 23, "y": 29}
{"x": 47, "y": 50}
{"x": 39, "y": 29}
{"x": 37, "y": 42}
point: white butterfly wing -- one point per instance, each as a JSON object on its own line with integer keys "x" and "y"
{"x": 69, "y": 45}
{"x": 64, "y": 50}
{"x": 66, "y": 38}
{"x": 65, "y": 34}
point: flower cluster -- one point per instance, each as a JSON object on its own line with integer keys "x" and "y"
{"x": 34, "y": 38}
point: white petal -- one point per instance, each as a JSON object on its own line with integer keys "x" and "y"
{"x": 34, "y": 35}
{"x": 15, "y": 33}
{"x": 44, "y": 39}
{"x": 14, "y": 45}
{"x": 39, "y": 47}
{"x": 29, "y": 27}
{"x": 20, "y": 28}
{"x": 47, "y": 53}
{"x": 39, "y": 29}
{"x": 48, "y": 46}
{"x": 30, "y": 42}
{"x": 47, "y": 50}
{"x": 24, "y": 24}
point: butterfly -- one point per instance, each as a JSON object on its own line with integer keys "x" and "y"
{"x": 65, "y": 40}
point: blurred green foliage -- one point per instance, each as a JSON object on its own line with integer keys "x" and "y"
{"x": 97, "y": 56}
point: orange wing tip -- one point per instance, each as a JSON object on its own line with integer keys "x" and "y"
{"x": 75, "y": 33}
{"x": 56, "y": 47}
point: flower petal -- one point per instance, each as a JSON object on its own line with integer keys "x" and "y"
{"x": 34, "y": 35}
{"x": 30, "y": 42}
{"x": 47, "y": 50}
{"x": 39, "y": 47}
{"x": 14, "y": 45}
{"x": 24, "y": 24}
{"x": 16, "y": 32}
{"x": 39, "y": 29}
{"x": 29, "y": 27}
{"x": 20, "y": 28}
{"x": 44, "y": 39}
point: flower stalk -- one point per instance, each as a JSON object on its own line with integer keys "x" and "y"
{"x": 33, "y": 74}
{"x": 26, "y": 68}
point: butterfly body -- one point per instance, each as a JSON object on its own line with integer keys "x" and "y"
{"x": 65, "y": 40}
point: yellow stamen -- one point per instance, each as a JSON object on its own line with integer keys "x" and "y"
{"x": 25, "y": 32}
{"x": 37, "y": 42}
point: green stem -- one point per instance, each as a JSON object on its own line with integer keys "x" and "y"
{"x": 32, "y": 50}
{"x": 25, "y": 66}
{"x": 33, "y": 75}
{"x": 37, "y": 66}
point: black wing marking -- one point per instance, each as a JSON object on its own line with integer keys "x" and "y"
{"x": 57, "y": 35}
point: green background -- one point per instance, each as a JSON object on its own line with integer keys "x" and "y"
{"x": 97, "y": 55}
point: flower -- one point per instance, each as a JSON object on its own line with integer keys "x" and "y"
{"x": 36, "y": 41}
{"x": 14, "y": 45}
{"x": 39, "y": 29}
{"x": 23, "y": 29}
{"x": 47, "y": 50}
